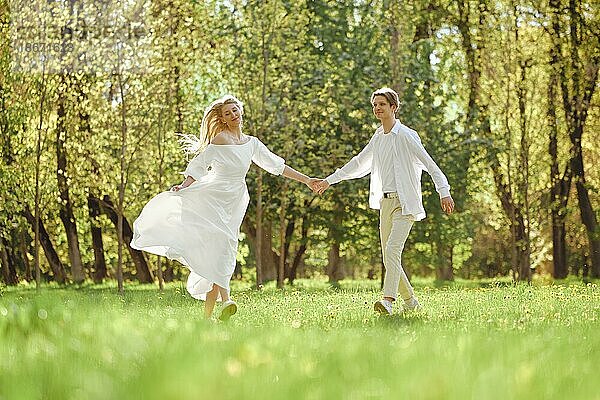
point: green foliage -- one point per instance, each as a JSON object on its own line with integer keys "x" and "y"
{"x": 487, "y": 339}
{"x": 305, "y": 71}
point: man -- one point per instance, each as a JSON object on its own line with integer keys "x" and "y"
{"x": 395, "y": 158}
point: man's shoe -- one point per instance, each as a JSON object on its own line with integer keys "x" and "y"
{"x": 383, "y": 307}
{"x": 412, "y": 304}
{"x": 229, "y": 308}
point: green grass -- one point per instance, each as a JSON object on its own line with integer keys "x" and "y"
{"x": 482, "y": 340}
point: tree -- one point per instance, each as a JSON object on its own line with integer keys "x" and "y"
{"x": 578, "y": 60}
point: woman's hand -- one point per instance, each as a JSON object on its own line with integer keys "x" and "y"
{"x": 317, "y": 185}
{"x": 187, "y": 182}
{"x": 322, "y": 186}
{"x": 311, "y": 183}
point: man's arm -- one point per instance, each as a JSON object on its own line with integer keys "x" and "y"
{"x": 439, "y": 179}
{"x": 357, "y": 167}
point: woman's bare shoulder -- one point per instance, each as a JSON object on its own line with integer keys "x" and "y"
{"x": 220, "y": 138}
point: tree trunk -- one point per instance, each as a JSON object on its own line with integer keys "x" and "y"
{"x": 472, "y": 60}
{"x": 520, "y": 242}
{"x": 303, "y": 242}
{"x": 143, "y": 273}
{"x": 397, "y": 83}
{"x": 100, "y": 272}
{"x": 523, "y": 186}
{"x": 282, "y": 237}
{"x": 161, "y": 160}
{"x": 559, "y": 245}
{"x": 334, "y": 265}
{"x": 584, "y": 79}
{"x": 578, "y": 82}
{"x": 23, "y": 248}
{"x": 259, "y": 232}
{"x": 444, "y": 270}
{"x": 559, "y": 186}
{"x": 588, "y": 217}
{"x": 9, "y": 273}
{"x": 523, "y": 249}
{"x": 66, "y": 207}
{"x": 55, "y": 264}
{"x": 268, "y": 256}
{"x": 122, "y": 179}
{"x": 168, "y": 273}
{"x": 300, "y": 251}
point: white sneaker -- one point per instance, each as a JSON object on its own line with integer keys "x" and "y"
{"x": 227, "y": 310}
{"x": 412, "y": 304}
{"x": 383, "y": 307}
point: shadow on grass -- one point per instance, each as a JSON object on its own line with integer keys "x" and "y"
{"x": 466, "y": 284}
{"x": 400, "y": 320}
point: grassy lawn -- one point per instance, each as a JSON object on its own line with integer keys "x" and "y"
{"x": 475, "y": 340}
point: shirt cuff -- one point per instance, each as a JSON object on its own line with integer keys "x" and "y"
{"x": 444, "y": 192}
{"x": 332, "y": 179}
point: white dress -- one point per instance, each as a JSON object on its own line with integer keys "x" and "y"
{"x": 199, "y": 225}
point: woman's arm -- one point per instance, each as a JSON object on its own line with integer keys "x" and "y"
{"x": 187, "y": 182}
{"x": 291, "y": 173}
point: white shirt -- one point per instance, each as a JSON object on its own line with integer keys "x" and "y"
{"x": 385, "y": 159}
{"x": 410, "y": 159}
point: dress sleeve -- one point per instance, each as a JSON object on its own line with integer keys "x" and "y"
{"x": 267, "y": 160}
{"x": 198, "y": 166}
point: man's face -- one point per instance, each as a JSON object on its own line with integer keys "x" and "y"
{"x": 382, "y": 108}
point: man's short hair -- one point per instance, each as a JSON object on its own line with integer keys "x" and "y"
{"x": 390, "y": 95}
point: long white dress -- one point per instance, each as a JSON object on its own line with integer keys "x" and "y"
{"x": 199, "y": 225}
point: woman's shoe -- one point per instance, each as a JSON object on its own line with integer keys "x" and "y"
{"x": 229, "y": 308}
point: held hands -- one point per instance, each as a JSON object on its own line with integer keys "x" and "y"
{"x": 322, "y": 186}
{"x": 311, "y": 182}
{"x": 317, "y": 185}
{"x": 177, "y": 188}
{"x": 447, "y": 204}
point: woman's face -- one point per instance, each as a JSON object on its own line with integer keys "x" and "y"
{"x": 231, "y": 115}
{"x": 382, "y": 108}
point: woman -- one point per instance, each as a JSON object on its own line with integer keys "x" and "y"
{"x": 197, "y": 223}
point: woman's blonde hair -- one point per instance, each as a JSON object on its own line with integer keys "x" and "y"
{"x": 212, "y": 125}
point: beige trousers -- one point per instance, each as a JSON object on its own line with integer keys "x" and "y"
{"x": 394, "y": 229}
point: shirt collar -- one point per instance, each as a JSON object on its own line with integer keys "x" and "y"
{"x": 395, "y": 129}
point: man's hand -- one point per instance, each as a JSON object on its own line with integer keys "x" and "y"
{"x": 447, "y": 204}
{"x": 321, "y": 186}
{"x": 312, "y": 184}
{"x": 317, "y": 185}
